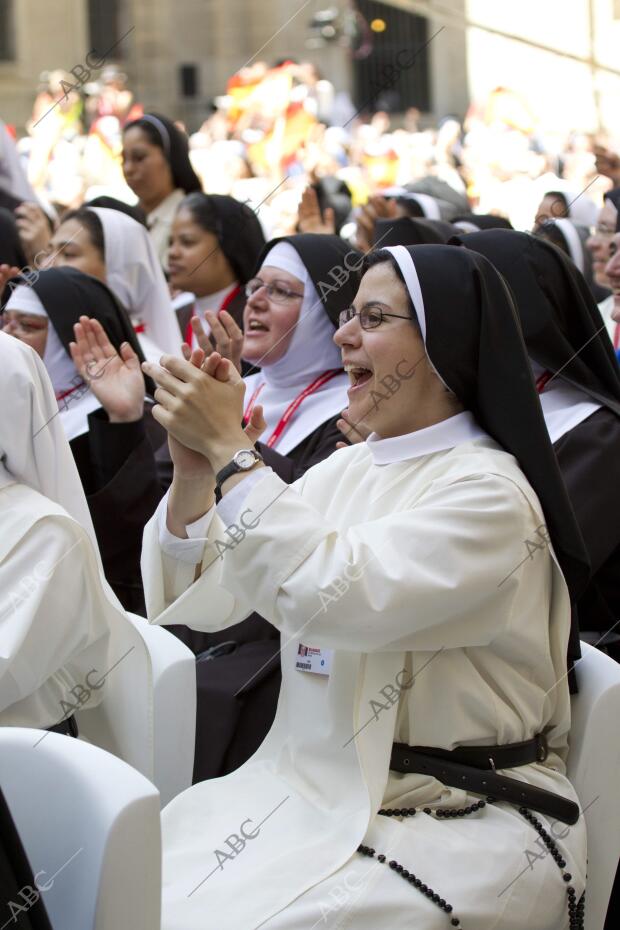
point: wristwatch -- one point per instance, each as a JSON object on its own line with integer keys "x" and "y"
{"x": 243, "y": 460}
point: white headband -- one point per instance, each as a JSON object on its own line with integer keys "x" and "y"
{"x": 405, "y": 262}
{"x": 466, "y": 226}
{"x": 407, "y": 269}
{"x": 428, "y": 204}
{"x": 161, "y": 129}
{"x": 24, "y": 298}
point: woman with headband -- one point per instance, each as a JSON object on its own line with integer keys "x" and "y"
{"x": 420, "y": 742}
{"x": 158, "y": 169}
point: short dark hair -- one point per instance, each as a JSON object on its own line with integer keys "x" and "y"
{"x": 92, "y": 223}
{"x": 174, "y": 145}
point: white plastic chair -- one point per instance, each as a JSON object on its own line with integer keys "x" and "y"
{"x": 174, "y": 708}
{"x": 90, "y": 826}
{"x": 593, "y": 769}
{"x": 148, "y": 713}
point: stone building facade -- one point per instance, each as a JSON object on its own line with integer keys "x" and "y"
{"x": 178, "y": 54}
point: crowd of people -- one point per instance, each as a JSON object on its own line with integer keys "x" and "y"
{"x": 338, "y": 404}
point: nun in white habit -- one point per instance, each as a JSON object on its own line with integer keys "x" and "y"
{"x": 62, "y": 629}
{"x": 412, "y": 616}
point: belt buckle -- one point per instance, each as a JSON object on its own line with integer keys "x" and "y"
{"x": 542, "y": 747}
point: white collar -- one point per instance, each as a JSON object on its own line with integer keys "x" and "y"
{"x": 436, "y": 438}
{"x": 564, "y": 406}
{"x": 167, "y": 208}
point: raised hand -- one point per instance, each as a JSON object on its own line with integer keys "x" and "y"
{"x": 309, "y": 218}
{"x": 114, "y": 378}
{"x": 34, "y": 230}
{"x": 376, "y": 208}
{"x": 227, "y": 335}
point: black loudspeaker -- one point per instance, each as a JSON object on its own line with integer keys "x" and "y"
{"x": 189, "y": 80}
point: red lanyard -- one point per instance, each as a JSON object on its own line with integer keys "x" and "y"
{"x": 293, "y": 406}
{"x": 617, "y": 336}
{"x": 139, "y": 328}
{"x": 64, "y": 394}
{"x": 189, "y": 332}
{"x": 542, "y": 381}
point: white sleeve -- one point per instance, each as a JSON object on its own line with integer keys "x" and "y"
{"x": 440, "y": 574}
{"x": 183, "y": 550}
{"x": 230, "y": 505}
{"x": 445, "y": 572}
{"x": 53, "y": 617}
{"x": 190, "y": 550}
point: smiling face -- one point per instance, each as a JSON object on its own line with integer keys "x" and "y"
{"x": 268, "y": 326}
{"x": 612, "y": 270}
{"x": 145, "y": 168}
{"x": 28, "y": 328}
{"x": 195, "y": 261}
{"x": 598, "y": 243}
{"x": 394, "y": 389}
{"x": 72, "y": 246}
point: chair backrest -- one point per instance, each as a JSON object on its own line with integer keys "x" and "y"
{"x": 90, "y": 827}
{"x": 174, "y": 708}
{"x": 148, "y": 713}
{"x": 593, "y": 769}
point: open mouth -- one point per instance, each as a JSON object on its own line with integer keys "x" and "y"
{"x": 255, "y": 327}
{"x": 358, "y": 375}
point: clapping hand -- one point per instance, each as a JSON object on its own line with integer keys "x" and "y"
{"x": 227, "y": 335}
{"x": 114, "y": 377}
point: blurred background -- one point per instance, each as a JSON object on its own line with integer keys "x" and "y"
{"x": 478, "y": 93}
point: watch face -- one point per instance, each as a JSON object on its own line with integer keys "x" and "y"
{"x": 245, "y": 459}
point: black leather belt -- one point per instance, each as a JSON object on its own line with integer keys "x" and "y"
{"x": 67, "y": 727}
{"x": 472, "y": 768}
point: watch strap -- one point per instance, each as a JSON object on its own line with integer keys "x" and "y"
{"x": 232, "y": 469}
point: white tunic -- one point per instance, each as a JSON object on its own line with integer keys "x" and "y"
{"x": 66, "y": 645}
{"x": 397, "y": 554}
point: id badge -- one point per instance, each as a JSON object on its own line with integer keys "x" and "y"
{"x": 311, "y": 659}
